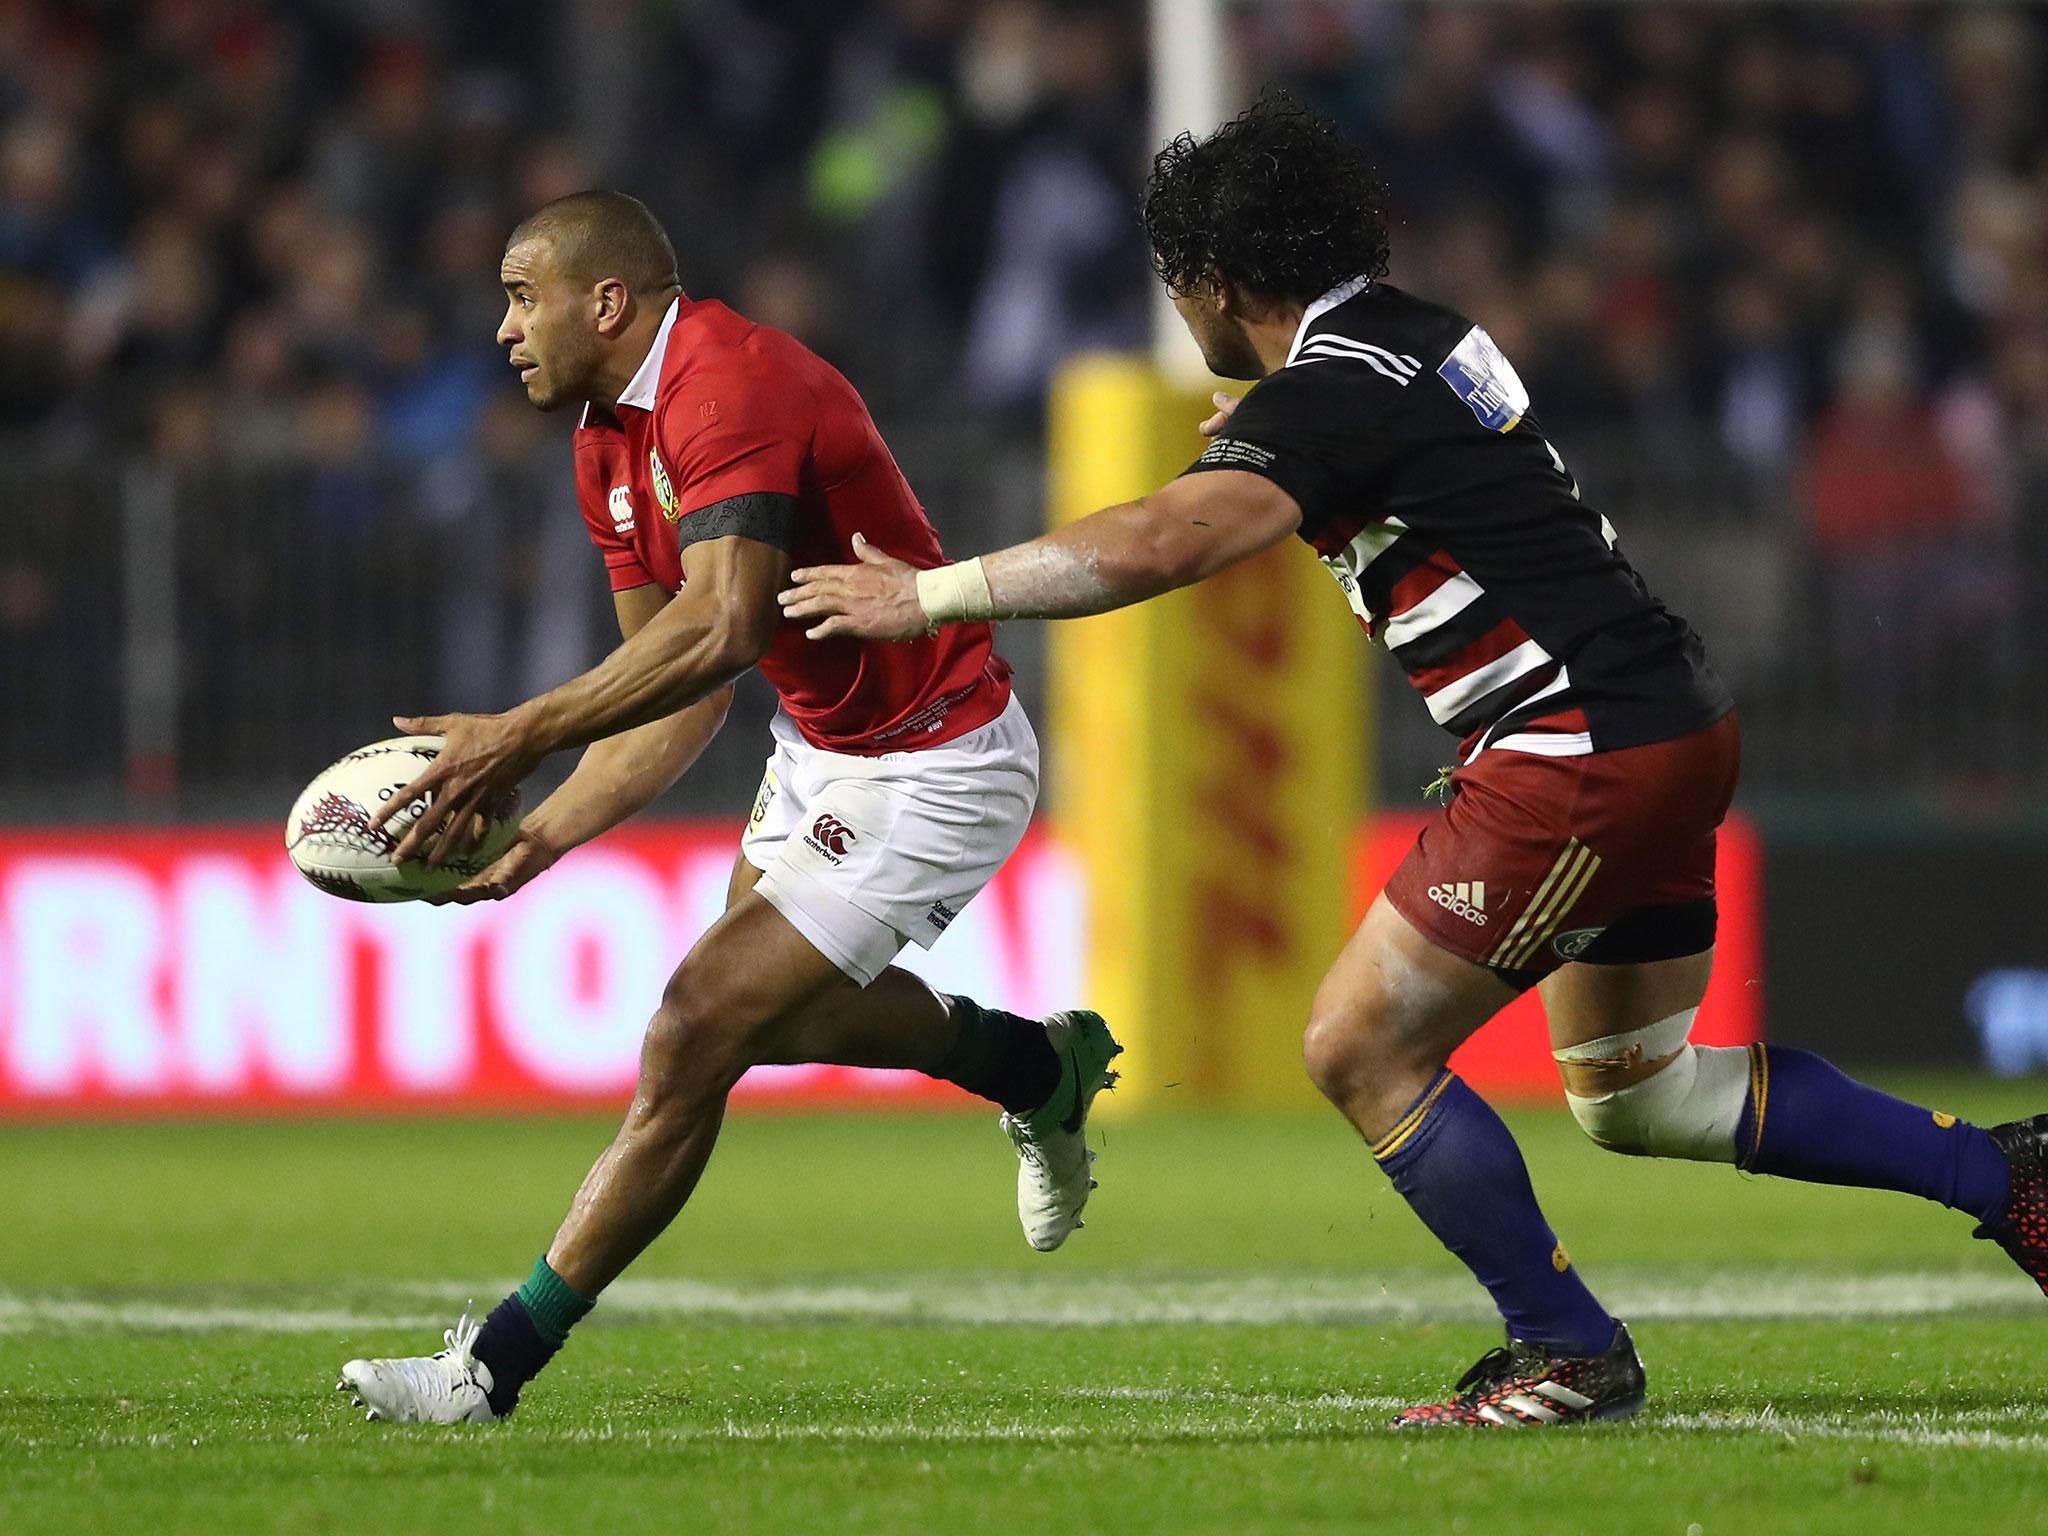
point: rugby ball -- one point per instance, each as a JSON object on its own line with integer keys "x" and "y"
{"x": 330, "y": 840}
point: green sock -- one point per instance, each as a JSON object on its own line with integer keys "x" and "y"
{"x": 552, "y": 1305}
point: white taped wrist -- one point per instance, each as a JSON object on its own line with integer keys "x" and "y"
{"x": 952, "y": 594}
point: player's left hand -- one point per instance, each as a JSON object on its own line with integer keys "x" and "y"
{"x": 483, "y": 758}
{"x": 531, "y": 856}
{"x": 874, "y": 600}
{"x": 1225, "y": 405}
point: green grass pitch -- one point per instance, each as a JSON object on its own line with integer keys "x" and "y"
{"x": 847, "y": 1333}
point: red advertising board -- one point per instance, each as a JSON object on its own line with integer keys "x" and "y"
{"x": 191, "y": 970}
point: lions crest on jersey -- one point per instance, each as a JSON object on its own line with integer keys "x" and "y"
{"x": 664, "y": 491}
{"x": 1481, "y": 376}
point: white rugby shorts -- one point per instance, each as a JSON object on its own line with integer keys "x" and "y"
{"x": 866, "y": 854}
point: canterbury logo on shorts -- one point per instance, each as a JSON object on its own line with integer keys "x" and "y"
{"x": 831, "y": 837}
{"x": 1548, "y": 908}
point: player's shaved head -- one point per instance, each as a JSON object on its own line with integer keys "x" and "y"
{"x": 587, "y": 279}
{"x": 595, "y": 235}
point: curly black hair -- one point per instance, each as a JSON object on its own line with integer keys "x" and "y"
{"x": 1276, "y": 201}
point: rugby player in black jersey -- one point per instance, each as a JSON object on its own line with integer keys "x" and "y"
{"x": 1597, "y": 753}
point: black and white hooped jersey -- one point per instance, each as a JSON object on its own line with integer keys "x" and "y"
{"x": 1457, "y": 534}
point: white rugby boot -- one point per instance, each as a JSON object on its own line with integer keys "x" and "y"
{"x": 1054, "y": 1162}
{"x": 452, "y": 1387}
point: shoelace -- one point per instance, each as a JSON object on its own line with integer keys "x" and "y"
{"x": 430, "y": 1378}
{"x": 1497, "y": 1367}
{"x": 1028, "y": 1148}
{"x": 461, "y": 1339}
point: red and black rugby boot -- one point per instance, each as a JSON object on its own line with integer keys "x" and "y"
{"x": 2022, "y": 1227}
{"x": 1524, "y": 1384}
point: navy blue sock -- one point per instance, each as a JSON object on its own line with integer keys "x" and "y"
{"x": 1806, "y": 1120}
{"x": 1000, "y": 1056}
{"x": 514, "y": 1350}
{"x": 1454, "y": 1160}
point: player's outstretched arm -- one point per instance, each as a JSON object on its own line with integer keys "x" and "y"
{"x": 1179, "y": 535}
{"x": 615, "y": 778}
{"x": 719, "y": 625}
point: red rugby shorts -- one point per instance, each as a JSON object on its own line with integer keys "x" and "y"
{"x": 1606, "y": 858}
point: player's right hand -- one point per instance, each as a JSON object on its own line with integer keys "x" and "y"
{"x": 1225, "y": 404}
{"x": 530, "y": 856}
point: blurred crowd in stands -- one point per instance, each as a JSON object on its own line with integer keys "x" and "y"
{"x": 269, "y": 228}
{"x": 1810, "y": 230}
{"x": 1810, "y": 241}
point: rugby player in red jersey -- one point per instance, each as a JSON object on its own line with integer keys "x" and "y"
{"x": 1598, "y": 753}
{"x": 712, "y": 454}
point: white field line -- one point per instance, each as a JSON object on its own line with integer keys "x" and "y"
{"x": 1932, "y": 1432}
{"x": 1229, "y": 1398}
{"x": 1253, "y": 1416}
{"x": 1093, "y": 1301}
{"x": 1079, "y": 1301}
{"x": 1259, "y": 1417}
{"x": 54, "y": 1314}
{"x": 1312, "y": 1415}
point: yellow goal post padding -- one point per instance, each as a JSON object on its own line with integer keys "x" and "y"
{"x": 1208, "y": 754}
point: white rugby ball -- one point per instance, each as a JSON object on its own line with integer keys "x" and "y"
{"x": 329, "y": 837}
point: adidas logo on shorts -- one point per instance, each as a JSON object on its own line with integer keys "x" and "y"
{"x": 1466, "y": 899}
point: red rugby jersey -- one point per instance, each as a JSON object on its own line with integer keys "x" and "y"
{"x": 723, "y": 407}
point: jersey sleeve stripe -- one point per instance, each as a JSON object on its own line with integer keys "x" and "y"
{"x": 1402, "y": 362}
{"x": 1315, "y": 352}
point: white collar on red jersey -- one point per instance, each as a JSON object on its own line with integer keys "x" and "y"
{"x": 639, "y": 390}
{"x": 1329, "y": 301}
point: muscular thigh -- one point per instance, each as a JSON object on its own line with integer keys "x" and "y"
{"x": 744, "y": 878}
{"x": 1585, "y": 1003}
{"x": 826, "y": 998}
{"x": 753, "y": 968}
{"x": 1419, "y": 1000}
